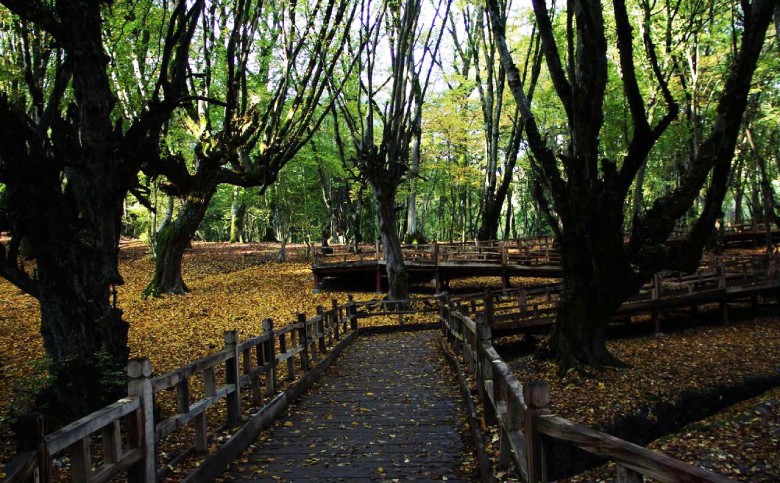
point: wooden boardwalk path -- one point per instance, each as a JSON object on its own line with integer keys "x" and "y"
{"x": 387, "y": 409}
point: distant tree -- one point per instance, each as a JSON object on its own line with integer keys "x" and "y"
{"x": 67, "y": 160}
{"x": 270, "y": 63}
{"x": 383, "y": 117}
{"x": 503, "y": 133}
{"x": 588, "y": 187}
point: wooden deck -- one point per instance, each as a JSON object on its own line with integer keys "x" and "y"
{"x": 442, "y": 262}
{"x": 385, "y": 410}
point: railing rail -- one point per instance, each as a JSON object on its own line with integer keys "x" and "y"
{"x": 521, "y": 412}
{"x": 128, "y": 433}
{"x": 723, "y": 279}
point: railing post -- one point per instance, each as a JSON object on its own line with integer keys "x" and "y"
{"x": 269, "y": 353}
{"x": 656, "y": 296}
{"x": 353, "y": 323}
{"x": 537, "y": 398}
{"x": 321, "y": 329}
{"x": 303, "y": 340}
{"x": 484, "y": 371}
{"x": 336, "y": 319}
{"x": 232, "y": 376}
{"x": 33, "y": 436}
{"x": 141, "y": 428}
{"x": 489, "y": 316}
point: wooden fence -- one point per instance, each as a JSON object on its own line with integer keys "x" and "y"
{"x": 528, "y": 252}
{"x": 722, "y": 280}
{"x": 526, "y": 426}
{"x": 531, "y": 252}
{"x": 126, "y": 438}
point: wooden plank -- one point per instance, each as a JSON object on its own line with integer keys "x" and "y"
{"x": 82, "y": 428}
{"x": 649, "y": 463}
{"x": 172, "y": 378}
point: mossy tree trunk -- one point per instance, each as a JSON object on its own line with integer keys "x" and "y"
{"x": 176, "y": 237}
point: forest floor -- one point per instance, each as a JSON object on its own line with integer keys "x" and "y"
{"x": 695, "y": 369}
{"x": 233, "y": 287}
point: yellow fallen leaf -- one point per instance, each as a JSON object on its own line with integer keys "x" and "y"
{"x": 288, "y": 424}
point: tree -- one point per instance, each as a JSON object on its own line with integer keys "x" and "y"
{"x": 67, "y": 162}
{"x": 396, "y": 27}
{"x": 245, "y": 142}
{"x": 588, "y": 188}
{"x": 490, "y": 80}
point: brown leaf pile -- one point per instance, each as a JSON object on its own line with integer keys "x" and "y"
{"x": 233, "y": 287}
{"x": 663, "y": 368}
{"x": 741, "y": 442}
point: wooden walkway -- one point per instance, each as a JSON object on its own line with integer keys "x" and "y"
{"x": 385, "y": 410}
{"x": 442, "y": 262}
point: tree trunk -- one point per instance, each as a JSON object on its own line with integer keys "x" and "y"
{"x": 176, "y": 237}
{"x": 397, "y": 276}
{"x": 595, "y": 284}
{"x": 413, "y": 233}
{"x": 237, "y": 214}
{"x": 84, "y": 335}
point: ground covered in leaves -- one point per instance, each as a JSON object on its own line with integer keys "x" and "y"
{"x": 741, "y": 442}
{"x": 693, "y": 367}
{"x": 233, "y": 287}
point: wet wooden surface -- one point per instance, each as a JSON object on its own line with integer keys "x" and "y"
{"x": 387, "y": 409}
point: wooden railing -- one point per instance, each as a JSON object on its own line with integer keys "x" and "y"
{"x": 523, "y": 251}
{"x": 526, "y": 426}
{"x": 531, "y": 252}
{"x": 721, "y": 280}
{"x": 123, "y": 438}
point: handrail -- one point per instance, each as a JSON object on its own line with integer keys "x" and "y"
{"x": 521, "y": 251}
{"x": 247, "y": 365}
{"x": 522, "y": 415}
{"x": 721, "y": 280}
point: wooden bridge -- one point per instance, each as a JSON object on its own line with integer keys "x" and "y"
{"x": 442, "y": 262}
{"x": 719, "y": 281}
{"x": 386, "y": 410}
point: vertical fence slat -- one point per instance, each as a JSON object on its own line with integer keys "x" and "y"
{"x": 112, "y": 442}
{"x": 537, "y": 398}
{"x": 303, "y": 340}
{"x": 270, "y": 357}
{"x": 232, "y": 376}
{"x": 80, "y": 464}
{"x": 141, "y": 424}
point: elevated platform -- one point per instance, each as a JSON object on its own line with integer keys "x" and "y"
{"x": 442, "y": 262}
